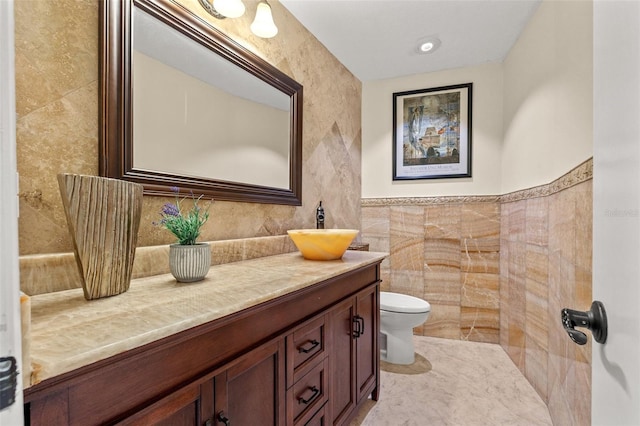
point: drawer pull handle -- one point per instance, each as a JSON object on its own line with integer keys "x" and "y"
{"x": 314, "y": 344}
{"x": 315, "y": 393}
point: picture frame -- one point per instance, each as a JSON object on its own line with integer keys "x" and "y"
{"x": 432, "y": 133}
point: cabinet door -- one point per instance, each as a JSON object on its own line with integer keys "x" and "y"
{"x": 251, "y": 391}
{"x": 181, "y": 408}
{"x": 367, "y": 357}
{"x": 342, "y": 361}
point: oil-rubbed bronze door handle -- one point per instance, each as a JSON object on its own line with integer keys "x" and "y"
{"x": 594, "y": 319}
{"x": 356, "y": 330}
{"x": 358, "y": 324}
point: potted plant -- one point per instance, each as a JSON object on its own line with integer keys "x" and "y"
{"x": 189, "y": 261}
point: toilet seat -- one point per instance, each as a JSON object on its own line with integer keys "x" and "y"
{"x": 402, "y": 303}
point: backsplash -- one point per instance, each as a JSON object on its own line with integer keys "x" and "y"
{"x": 46, "y": 273}
{"x": 57, "y": 91}
{"x": 499, "y": 269}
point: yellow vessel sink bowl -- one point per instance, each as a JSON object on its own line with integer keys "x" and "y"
{"x": 322, "y": 244}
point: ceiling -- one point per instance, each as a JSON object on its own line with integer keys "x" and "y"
{"x": 378, "y": 39}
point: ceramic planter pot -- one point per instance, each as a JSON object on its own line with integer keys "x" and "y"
{"x": 189, "y": 263}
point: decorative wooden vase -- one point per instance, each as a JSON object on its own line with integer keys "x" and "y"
{"x": 103, "y": 216}
{"x": 189, "y": 263}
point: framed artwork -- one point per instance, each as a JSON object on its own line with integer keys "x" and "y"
{"x": 432, "y": 133}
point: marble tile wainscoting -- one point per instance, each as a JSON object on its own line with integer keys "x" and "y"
{"x": 499, "y": 269}
{"x": 445, "y": 250}
{"x": 545, "y": 265}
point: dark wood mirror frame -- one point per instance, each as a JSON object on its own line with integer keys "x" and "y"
{"x": 116, "y": 136}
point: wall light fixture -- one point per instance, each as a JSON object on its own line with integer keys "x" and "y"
{"x": 229, "y": 8}
{"x": 262, "y": 26}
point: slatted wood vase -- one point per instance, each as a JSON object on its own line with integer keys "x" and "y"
{"x": 103, "y": 216}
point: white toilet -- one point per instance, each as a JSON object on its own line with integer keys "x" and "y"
{"x": 399, "y": 313}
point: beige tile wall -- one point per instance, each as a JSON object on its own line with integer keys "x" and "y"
{"x": 445, "y": 250}
{"x": 546, "y": 246}
{"x": 57, "y": 97}
{"x": 500, "y": 269}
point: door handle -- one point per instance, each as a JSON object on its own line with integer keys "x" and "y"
{"x": 361, "y": 320}
{"x": 358, "y": 326}
{"x": 356, "y": 330}
{"x": 594, "y": 319}
{"x": 223, "y": 419}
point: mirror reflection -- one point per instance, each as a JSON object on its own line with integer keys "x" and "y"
{"x": 196, "y": 114}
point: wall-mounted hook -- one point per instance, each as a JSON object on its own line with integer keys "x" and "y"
{"x": 594, "y": 319}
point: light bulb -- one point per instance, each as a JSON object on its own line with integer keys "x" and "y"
{"x": 263, "y": 25}
{"x": 229, "y": 8}
{"x": 428, "y": 45}
{"x": 425, "y": 47}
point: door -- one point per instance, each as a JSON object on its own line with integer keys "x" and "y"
{"x": 180, "y": 408}
{"x": 616, "y": 210}
{"x": 10, "y": 343}
{"x": 342, "y": 361}
{"x": 251, "y": 391}
{"x": 366, "y": 353}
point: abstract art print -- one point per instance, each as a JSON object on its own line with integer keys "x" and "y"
{"x": 432, "y": 133}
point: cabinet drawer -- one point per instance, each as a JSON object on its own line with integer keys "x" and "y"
{"x": 320, "y": 418}
{"x": 305, "y": 347}
{"x": 308, "y": 394}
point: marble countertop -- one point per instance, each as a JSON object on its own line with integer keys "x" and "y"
{"x": 68, "y": 332}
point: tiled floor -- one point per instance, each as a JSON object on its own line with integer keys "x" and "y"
{"x": 456, "y": 383}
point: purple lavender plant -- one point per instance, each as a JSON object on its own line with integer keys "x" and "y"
{"x": 185, "y": 225}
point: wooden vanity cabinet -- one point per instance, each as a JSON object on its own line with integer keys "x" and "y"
{"x": 283, "y": 362}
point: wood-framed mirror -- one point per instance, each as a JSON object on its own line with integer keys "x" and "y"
{"x": 170, "y": 81}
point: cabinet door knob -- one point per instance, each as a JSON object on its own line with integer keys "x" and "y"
{"x": 223, "y": 419}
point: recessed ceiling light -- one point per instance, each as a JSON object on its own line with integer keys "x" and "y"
{"x": 428, "y": 45}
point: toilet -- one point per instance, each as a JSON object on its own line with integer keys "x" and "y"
{"x": 399, "y": 313}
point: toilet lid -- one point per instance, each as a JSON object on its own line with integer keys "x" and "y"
{"x": 396, "y": 302}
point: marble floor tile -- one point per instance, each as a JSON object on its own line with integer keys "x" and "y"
{"x": 454, "y": 383}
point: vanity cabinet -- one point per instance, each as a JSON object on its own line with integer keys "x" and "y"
{"x": 307, "y": 357}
